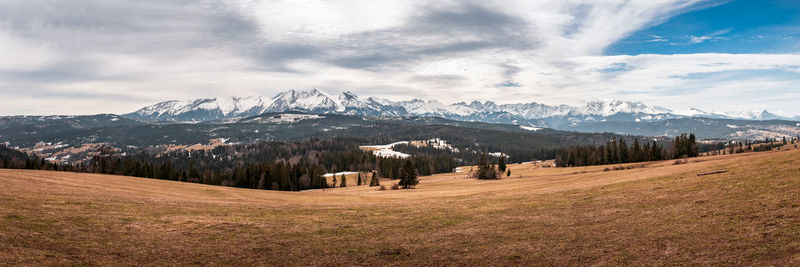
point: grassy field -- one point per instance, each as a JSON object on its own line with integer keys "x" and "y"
{"x": 654, "y": 213}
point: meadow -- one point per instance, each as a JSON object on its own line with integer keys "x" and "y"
{"x": 653, "y": 213}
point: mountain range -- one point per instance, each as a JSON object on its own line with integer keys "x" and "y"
{"x": 525, "y": 114}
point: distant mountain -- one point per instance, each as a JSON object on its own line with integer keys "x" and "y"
{"x": 203, "y": 109}
{"x": 749, "y": 115}
{"x": 738, "y": 115}
{"x": 319, "y": 102}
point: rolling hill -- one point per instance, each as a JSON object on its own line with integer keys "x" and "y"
{"x": 656, "y": 213}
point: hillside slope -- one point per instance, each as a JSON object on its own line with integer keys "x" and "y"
{"x": 656, "y": 214}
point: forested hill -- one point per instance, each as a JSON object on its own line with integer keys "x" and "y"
{"x": 75, "y": 138}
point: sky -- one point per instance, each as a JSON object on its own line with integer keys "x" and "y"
{"x": 115, "y": 56}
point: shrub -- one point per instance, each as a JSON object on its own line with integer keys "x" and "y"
{"x": 382, "y": 188}
{"x": 486, "y": 171}
{"x": 395, "y": 186}
{"x": 606, "y": 169}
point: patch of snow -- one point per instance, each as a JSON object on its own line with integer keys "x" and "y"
{"x": 529, "y": 128}
{"x": 498, "y": 154}
{"x": 385, "y": 151}
{"x": 287, "y": 118}
{"x": 338, "y": 174}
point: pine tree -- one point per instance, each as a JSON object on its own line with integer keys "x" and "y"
{"x": 333, "y": 184}
{"x": 359, "y": 178}
{"x": 501, "y": 165}
{"x": 610, "y": 153}
{"x": 655, "y": 151}
{"x": 508, "y": 173}
{"x": 344, "y": 181}
{"x": 408, "y": 175}
{"x": 614, "y": 152}
{"x": 375, "y": 181}
{"x": 637, "y": 151}
{"x": 623, "y": 151}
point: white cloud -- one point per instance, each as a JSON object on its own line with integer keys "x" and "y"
{"x": 545, "y": 51}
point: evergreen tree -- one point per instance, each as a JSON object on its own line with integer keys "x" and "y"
{"x": 374, "y": 181}
{"x": 408, "y": 175}
{"x": 623, "y": 151}
{"x": 508, "y": 173}
{"x": 501, "y": 165}
{"x": 655, "y": 151}
{"x": 333, "y": 184}
{"x": 637, "y": 151}
{"x": 359, "y": 178}
{"x": 344, "y": 181}
{"x": 614, "y": 152}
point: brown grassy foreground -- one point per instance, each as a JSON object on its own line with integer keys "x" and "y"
{"x": 657, "y": 214}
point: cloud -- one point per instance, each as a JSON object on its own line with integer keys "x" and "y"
{"x": 657, "y": 38}
{"x": 713, "y": 36}
{"x": 508, "y": 84}
{"x": 125, "y": 54}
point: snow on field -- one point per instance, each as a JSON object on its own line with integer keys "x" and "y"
{"x": 529, "y": 128}
{"x": 498, "y": 154}
{"x": 386, "y": 151}
{"x": 461, "y": 169}
{"x": 441, "y": 144}
{"x": 338, "y": 174}
{"x": 287, "y": 118}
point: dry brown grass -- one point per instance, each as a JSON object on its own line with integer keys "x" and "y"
{"x": 659, "y": 214}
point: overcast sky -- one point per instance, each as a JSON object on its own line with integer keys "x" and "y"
{"x": 108, "y": 56}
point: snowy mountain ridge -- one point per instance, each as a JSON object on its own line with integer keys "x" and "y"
{"x": 319, "y": 102}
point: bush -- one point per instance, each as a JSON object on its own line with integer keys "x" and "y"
{"x": 606, "y": 169}
{"x": 486, "y": 171}
{"x": 680, "y": 161}
{"x": 382, "y": 188}
{"x": 395, "y": 186}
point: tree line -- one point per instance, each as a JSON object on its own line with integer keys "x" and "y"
{"x": 613, "y": 152}
{"x": 288, "y": 166}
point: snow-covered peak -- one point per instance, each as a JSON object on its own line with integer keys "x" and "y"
{"x": 420, "y": 107}
{"x": 754, "y": 115}
{"x": 381, "y": 101}
{"x": 320, "y": 102}
{"x": 602, "y": 108}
